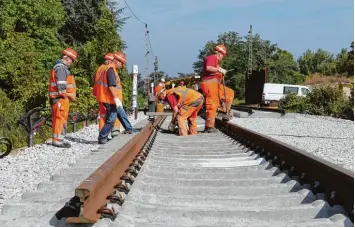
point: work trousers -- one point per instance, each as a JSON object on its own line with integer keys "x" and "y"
{"x": 110, "y": 118}
{"x": 189, "y": 113}
{"x": 213, "y": 91}
{"x": 121, "y": 118}
{"x": 60, "y": 111}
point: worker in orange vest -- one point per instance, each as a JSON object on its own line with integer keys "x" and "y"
{"x": 160, "y": 86}
{"x": 108, "y": 93}
{"x": 213, "y": 89}
{"x": 102, "y": 111}
{"x": 62, "y": 91}
{"x": 122, "y": 116}
{"x": 186, "y": 104}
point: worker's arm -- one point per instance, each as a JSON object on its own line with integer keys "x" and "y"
{"x": 111, "y": 82}
{"x": 173, "y": 104}
{"x": 61, "y": 77}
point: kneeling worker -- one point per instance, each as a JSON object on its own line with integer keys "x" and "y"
{"x": 186, "y": 104}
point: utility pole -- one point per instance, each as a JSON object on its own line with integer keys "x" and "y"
{"x": 250, "y": 48}
{"x": 147, "y": 58}
{"x": 155, "y": 70}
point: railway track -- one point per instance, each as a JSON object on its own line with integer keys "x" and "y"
{"x": 231, "y": 178}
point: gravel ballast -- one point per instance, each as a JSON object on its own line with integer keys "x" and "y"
{"x": 28, "y": 167}
{"x": 329, "y": 138}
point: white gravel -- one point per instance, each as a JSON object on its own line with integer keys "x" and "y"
{"x": 25, "y": 170}
{"x": 326, "y": 137}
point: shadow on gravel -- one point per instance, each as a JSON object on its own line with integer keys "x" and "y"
{"x": 78, "y": 140}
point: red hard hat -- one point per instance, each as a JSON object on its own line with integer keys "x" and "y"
{"x": 109, "y": 56}
{"x": 222, "y": 49}
{"x": 120, "y": 57}
{"x": 70, "y": 53}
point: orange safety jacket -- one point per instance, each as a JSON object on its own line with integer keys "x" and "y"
{"x": 103, "y": 94}
{"x": 70, "y": 90}
{"x": 98, "y": 74}
{"x": 187, "y": 97}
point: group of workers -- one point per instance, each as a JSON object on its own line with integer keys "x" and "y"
{"x": 107, "y": 88}
{"x": 186, "y": 103}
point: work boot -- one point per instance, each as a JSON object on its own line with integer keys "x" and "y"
{"x": 133, "y": 131}
{"x": 115, "y": 133}
{"x": 61, "y": 144}
{"x": 211, "y": 130}
{"x": 103, "y": 141}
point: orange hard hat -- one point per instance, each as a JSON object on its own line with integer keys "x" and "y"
{"x": 70, "y": 53}
{"x": 109, "y": 56}
{"x": 222, "y": 49}
{"x": 120, "y": 57}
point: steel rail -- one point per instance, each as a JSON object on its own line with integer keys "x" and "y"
{"x": 322, "y": 176}
{"x": 93, "y": 191}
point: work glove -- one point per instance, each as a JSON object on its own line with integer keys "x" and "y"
{"x": 171, "y": 126}
{"x": 221, "y": 70}
{"x": 118, "y": 103}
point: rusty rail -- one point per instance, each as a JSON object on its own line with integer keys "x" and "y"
{"x": 93, "y": 191}
{"x": 322, "y": 176}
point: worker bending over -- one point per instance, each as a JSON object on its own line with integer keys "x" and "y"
{"x": 160, "y": 86}
{"x": 62, "y": 91}
{"x": 213, "y": 89}
{"x": 185, "y": 103}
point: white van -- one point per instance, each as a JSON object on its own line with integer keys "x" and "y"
{"x": 274, "y": 92}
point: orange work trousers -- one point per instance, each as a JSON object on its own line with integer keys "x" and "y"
{"x": 213, "y": 91}
{"x": 189, "y": 113}
{"x": 60, "y": 111}
{"x": 102, "y": 114}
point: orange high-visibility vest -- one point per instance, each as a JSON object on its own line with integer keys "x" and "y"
{"x": 102, "y": 91}
{"x": 98, "y": 74}
{"x": 186, "y": 96}
{"x": 53, "y": 85}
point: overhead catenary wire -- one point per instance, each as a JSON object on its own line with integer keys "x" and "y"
{"x": 146, "y": 25}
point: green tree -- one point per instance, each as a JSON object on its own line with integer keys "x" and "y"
{"x": 320, "y": 61}
{"x": 282, "y": 67}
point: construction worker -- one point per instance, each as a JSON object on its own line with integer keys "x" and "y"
{"x": 186, "y": 104}
{"x": 62, "y": 91}
{"x": 182, "y": 84}
{"x": 213, "y": 89}
{"x": 109, "y": 57}
{"x": 160, "y": 85}
{"x": 107, "y": 92}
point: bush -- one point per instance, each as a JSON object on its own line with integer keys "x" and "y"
{"x": 326, "y": 101}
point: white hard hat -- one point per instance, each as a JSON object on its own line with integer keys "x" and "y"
{"x": 162, "y": 80}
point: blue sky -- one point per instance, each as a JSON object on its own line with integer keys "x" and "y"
{"x": 180, "y": 28}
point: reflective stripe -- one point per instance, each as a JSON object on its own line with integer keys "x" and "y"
{"x": 197, "y": 102}
{"x": 71, "y": 94}
{"x": 62, "y": 82}
{"x": 53, "y": 93}
{"x": 57, "y": 136}
{"x": 53, "y": 84}
{"x": 70, "y": 86}
{"x": 102, "y": 84}
{"x": 62, "y": 91}
{"x": 210, "y": 80}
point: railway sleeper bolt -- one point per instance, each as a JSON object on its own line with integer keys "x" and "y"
{"x": 128, "y": 178}
{"x": 117, "y": 197}
{"x": 122, "y": 188}
{"x": 135, "y": 166}
{"x": 138, "y": 161}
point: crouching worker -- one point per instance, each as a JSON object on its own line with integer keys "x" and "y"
{"x": 186, "y": 104}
